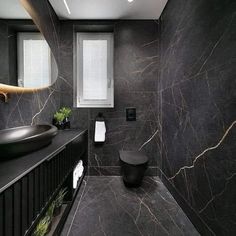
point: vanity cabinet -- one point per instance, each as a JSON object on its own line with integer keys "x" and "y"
{"x": 25, "y": 201}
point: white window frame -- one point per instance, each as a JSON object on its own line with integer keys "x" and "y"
{"x": 79, "y": 100}
{"x": 21, "y": 36}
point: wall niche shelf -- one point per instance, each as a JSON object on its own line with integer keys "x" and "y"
{"x": 32, "y": 182}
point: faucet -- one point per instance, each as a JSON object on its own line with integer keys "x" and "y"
{"x": 4, "y": 96}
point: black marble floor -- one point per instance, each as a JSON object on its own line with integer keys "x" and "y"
{"x": 104, "y": 206}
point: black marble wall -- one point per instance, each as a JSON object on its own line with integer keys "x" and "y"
{"x": 136, "y": 71}
{"x": 47, "y": 22}
{"x": 197, "y": 101}
{"x": 4, "y": 65}
{"x": 184, "y": 94}
{"x": 37, "y": 107}
{"x": 136, "y": 67}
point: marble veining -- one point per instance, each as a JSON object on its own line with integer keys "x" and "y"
{"x": 195, "y": 159}
{"x": 136, "y": 68}
{"x": 149, "y": 140}
{"x": 43, "y": 106}
{"x": 179, "y": 72}
{"x": 196, "y": 93}
{"x": 39, "y": 106}
{"x": 105, "y": 207}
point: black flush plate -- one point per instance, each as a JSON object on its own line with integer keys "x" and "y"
{"x": 131, "y": 114}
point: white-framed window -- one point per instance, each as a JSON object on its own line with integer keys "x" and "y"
{"x": 34, "y": 60}
{"x": 94, "y": 85}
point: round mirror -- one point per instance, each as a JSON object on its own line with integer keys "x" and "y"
{"x": 25, "y": 56}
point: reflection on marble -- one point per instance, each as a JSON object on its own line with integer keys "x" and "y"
{"x": 47, "y": 22}
{"x": 36, "y": 107}
{"x": 197, "y": 109}
{"x": 136, "y": 68}
{"x": 104, "y": 206}
{"x": 29, "y": 109}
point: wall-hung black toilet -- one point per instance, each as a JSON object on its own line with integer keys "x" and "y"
{"x": 133, "y": 166}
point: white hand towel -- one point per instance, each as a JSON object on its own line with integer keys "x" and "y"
{"x": 80, "y": 168}
{"x": 80, "y": 171}
{"x": 75, "y": 178}
{"x": 100, "y": 131}
{"x": 80, "y": 163}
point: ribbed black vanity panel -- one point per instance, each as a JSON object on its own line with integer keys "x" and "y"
{"x": 49, "y": 179}
{"x": 57, "y": 164}
{"x": 26, "y": 200}
{"x": 46, "y": 182}
{"x": 8, "y": 216}
{"x": 36, "y": 192}
{"x": 1, "y": 215}
{"x": 24, "y": 205}
{"x": 53, "y": 173}
{"x": 31, "y": 197}
{"x": 17, "y": 208}
{"x": 41, "y": 186}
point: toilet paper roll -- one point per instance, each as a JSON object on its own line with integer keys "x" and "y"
{"x": 100, "y": 131}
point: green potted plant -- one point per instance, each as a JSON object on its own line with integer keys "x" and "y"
{"x": 59, "y": 201}
{"x": 66, "y": 111}
{"x": 42, "y": 227}
{"x": 58, "y": 120}
{"x": 49, "y": 215}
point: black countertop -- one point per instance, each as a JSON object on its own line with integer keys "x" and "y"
{"x": 14, "y": 169}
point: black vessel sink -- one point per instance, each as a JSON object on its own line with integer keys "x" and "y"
{"x": 18, "y": 141}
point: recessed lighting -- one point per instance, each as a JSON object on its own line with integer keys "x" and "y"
{"x": 68, "y": 9}
{"x": 130, "y": 0}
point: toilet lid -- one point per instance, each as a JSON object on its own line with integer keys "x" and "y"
{"x": 133, "y": 157}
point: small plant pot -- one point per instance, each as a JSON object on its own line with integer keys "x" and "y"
{"x": 57, "y": 211}
{"x": 66, "y": 123}
{"x": 59, "y": 125}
